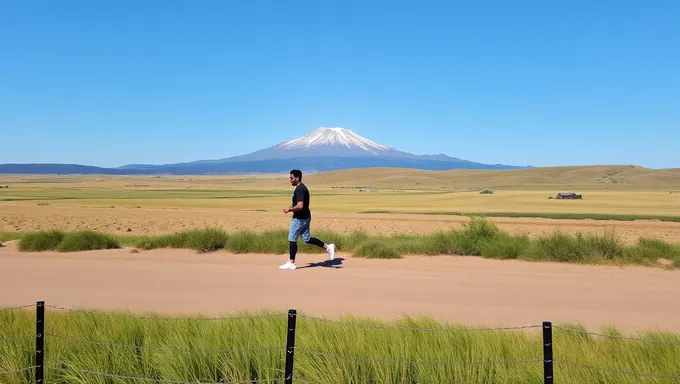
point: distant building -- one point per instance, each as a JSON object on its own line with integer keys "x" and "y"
{"x": 568, "y": 195}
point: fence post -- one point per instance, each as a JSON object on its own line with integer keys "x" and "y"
{"x": 290, "y": 346}
{"x": 39, "y": 342}
{"x": 547, "y": 353}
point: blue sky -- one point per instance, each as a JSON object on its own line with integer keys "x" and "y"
{"x": 515, "y": 82}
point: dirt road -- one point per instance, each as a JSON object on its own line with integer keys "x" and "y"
{"x": 458, "y": 289}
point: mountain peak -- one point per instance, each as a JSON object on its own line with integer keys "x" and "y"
{"x": 332, "y": 137}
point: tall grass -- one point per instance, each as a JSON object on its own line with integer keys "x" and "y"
{"x": 478, "y": 237}
{"x": 201, "y": 350}
{"x": 66, "y": 242}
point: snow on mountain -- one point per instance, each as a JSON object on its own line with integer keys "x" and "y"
{"x": 324, "y": 136}
{"x": 321, "y": 149}
{"x": 324, "y": 142}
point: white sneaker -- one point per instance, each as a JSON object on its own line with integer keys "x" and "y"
{"x": 331, "y": 251}
{"x": 288, "y": 266}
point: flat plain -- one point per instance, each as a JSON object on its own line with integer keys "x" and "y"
{"x": 633, "y": 202}
{"x": 470, "y": 290}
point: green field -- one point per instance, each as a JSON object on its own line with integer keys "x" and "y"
{"x": 83, "y": 347}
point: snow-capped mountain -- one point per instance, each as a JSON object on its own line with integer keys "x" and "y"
{"x": 328, "y": 137}
{"x": 324, "y": 142}
{"x": 322, "y": 149}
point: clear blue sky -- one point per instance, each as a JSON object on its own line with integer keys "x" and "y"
{"x": 514, "y": 82}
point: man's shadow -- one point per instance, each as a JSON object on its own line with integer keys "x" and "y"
{"x": 335, "y": 263}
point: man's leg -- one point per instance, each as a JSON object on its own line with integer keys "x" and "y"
{"x": 307, "y": 238}
{"x": 293, "y": 234}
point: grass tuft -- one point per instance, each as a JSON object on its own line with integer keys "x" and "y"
{"x": 478, "y": 237}
{"x": 66, "y": 242}
{"x": 505, "y": 246}
{"x": 41, "y": 241}
{"x": 376, "y": 249}
{"x": 245, "y": 350}
{"x": 85, "y": 241}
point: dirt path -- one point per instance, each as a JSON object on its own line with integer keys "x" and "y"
{"x": 458, "y": 289}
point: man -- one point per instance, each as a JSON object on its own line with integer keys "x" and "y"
{"x": 299, "y": 225}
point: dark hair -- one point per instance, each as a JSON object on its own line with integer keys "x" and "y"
{"x": 296, "y": 173}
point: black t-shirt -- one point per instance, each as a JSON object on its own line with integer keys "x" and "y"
{"x": 301, "y": 193}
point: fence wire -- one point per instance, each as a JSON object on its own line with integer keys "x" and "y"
{"x": 395, "y": 328}
{"x": 16, "y": 308}
{"x": 12, "y": 338}
{"x": 18, "y": 370}
{"x": 167, "y": 318}
{"x": 167, "y": 347}
{"x": 611, "y": 370}
{"x": 389, "y": 360}
{"x": 616, "y": 336}
{"x": 116, "y": 376}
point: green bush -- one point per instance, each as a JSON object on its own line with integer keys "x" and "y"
{"x": 85, "y": 241}
{"x": 376, "y": 249}
{"x": 486, "y": 191}
{"x": 475, "y": 234}
{"x": 41, "y": 241}
{"x": 478, "y": 237}
{"x": 506, "y": 246}
{"x": 202, "y": 240}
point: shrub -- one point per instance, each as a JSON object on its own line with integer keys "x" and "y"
{"x": 206, "y": 240}
{"x": 486, "y": 191}
{"x": 474, "y": 235}
{"x": 40, "y": 241}
{"x": 506, "y": 246}
{"x": 649, "y": 250}
{"x": 557, "y": 246}
{"x": 202, "y": 240}
{"x": 376, "y": 249}
{"x": 607, "y": 246}
{"x": 86, "y": 240}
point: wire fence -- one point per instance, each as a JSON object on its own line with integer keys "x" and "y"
{"x": 35, "y": 371}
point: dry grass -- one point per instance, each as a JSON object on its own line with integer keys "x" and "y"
{"x": 156, "y": 205}
{"x": 590, "y": 177}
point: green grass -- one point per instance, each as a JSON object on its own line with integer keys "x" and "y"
{"x": 7, "y": 236}
{"x": 479, "y": 237}
{"x": 330, "y": 353}
{"x": 539, "y": 215}
{"x": 66, "y": 242}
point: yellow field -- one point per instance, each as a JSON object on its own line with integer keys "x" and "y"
{"x": 151, "y": 204}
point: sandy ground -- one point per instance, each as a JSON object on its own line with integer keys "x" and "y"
{"x": 459, "y": 289}
{"x": 142, "y": 221}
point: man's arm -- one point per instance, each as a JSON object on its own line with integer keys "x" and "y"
{"x": 296, "y": 208}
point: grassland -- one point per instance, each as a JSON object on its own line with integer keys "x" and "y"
{"x": 410, "y": 212}
{"x": 636, "y": 202}
{"x": 662, "y": 204}
{"x": 162, "y": 204}
{"x": 78, "y": 345}
{"x": 479, "y": 237}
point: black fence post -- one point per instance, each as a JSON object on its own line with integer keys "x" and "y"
{"x": 547, "y": 353}
{"x": 39, "y": 342}
{"x": 290, "y": 347}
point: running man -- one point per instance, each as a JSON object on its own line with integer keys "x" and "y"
{"x": 299, "y": 225}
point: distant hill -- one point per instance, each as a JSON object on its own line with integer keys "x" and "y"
{"x": 597, "y": 176}
{"x": 322, "y": 149}
{"x": 62, "y": 169}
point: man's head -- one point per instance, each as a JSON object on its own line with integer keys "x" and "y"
{"x": 295, "y": 177}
